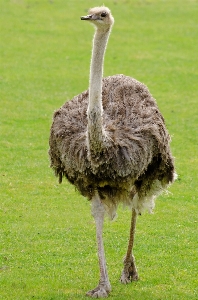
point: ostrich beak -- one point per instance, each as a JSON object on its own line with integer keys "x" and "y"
{"x": 88, "y": 17}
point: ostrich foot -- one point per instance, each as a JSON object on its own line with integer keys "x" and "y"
{"x": 101, "y": 291}
{"x": 129, "y": 272}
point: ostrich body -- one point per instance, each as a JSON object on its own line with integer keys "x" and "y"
{"x": 112, "y": 144}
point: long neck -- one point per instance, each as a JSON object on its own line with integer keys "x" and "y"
{"x": 95, "y": 110}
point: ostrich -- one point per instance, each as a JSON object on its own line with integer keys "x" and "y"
{"x": 111, "y": 143}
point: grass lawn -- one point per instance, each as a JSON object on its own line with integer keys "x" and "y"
{"x": 47, "y": 234}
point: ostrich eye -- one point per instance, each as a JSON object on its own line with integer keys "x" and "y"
{"x": 103, "y": 14}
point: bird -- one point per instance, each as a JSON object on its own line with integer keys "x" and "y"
{"x": 112, "y": 144}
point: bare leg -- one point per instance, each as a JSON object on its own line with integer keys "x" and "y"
{"x": 129, "y": 272}
{"x": 104, "y": 287}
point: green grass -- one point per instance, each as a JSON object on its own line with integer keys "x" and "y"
{"x": 47, "y": 234}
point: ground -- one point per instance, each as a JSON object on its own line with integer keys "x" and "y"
{"x": 47, "y": 233}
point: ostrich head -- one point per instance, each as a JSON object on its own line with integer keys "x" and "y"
{"x": 100, "y": 17}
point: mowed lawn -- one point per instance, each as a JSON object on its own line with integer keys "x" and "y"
{"x": 47, "y": 234}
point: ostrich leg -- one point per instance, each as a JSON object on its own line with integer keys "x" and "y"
{"x": 129, "y": 272}
{"x": 104, "y": 287}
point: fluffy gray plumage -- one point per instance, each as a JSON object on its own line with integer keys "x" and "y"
{"x": 135, "y": 155}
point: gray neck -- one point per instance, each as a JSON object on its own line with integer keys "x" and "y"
{"x": 96, "y": 132}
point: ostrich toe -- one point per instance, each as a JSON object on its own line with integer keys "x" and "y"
{"x": 101, "y": 291}
{"x": 129, "y": 272}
